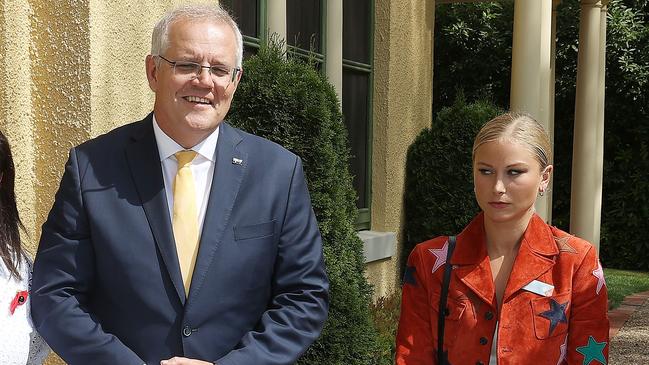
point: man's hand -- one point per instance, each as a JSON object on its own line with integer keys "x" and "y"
{"x": 184, "y": 361}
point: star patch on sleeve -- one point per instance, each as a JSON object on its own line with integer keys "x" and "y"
{"x": 409, "y": 276}
{"x": 599, "y": 274}
{"x": 556, "y": 314}
{"x": 593, "y": 351}
{"x": 440, "y": 256}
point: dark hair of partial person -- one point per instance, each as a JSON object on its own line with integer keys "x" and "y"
{"x": 10, "y": 249}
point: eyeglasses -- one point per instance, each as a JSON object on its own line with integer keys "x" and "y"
{"x": 193, "y": 70}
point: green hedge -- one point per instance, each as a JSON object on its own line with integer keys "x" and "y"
{"x": 439, "y": 198}
{"x": 289, "y": 102}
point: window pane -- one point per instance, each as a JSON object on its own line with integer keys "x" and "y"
{"x": 356, "y": 30}
{"x": 303, "y": 24}
{"x": 245, "y": 13}
{"x": 355, "y": 109}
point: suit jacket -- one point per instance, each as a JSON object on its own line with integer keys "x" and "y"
{"x": 107, "y": 287}
{"x": 567, "y": 324}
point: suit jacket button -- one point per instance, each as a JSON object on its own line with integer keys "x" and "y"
{"x": 187, "y": 331}
{"x": 489, "y": 316}
{"x": 483, "y": 341}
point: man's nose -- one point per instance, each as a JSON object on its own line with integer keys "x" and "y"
{"x": 204, "y": 77}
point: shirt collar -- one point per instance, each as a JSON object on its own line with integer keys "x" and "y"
{"x": 167, "y": 147}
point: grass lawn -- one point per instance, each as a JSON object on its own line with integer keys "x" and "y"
{"x": 621, "y": 283}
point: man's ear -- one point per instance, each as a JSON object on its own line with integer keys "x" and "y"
{"x": 152, "y": 72}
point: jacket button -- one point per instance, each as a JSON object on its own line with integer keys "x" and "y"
{"x": 483, "y": 341}
{"x": 489, "y": 316}
{"x": 446, "y": 312}
{"x": 187, "y": 331}
{"x": 479, "y": 363}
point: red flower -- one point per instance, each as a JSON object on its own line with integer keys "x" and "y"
{"x": 19, "y": 299}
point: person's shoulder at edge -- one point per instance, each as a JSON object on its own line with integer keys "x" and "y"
{"x": 570, "y": 245}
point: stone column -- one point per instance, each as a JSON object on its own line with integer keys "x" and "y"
{"x": 276, "y": 13}
{"x": 585, "y": 202}
{"x": 334, "y": 45}
{"x": 531, "y": 70}
{"x": 599, "y": 134}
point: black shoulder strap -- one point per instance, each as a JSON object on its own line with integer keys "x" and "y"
{"x": 443, "y": 311}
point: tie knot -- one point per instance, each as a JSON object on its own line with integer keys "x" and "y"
{"x": 184, "y": 157}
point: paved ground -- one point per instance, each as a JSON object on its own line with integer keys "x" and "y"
{"x": 630, "y": 343}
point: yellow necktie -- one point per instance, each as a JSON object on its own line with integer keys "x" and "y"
{"x": 185, "y": 217}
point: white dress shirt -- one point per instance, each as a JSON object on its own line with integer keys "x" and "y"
{"x": 202, "y": 168}
{"x": 20, "y": 344}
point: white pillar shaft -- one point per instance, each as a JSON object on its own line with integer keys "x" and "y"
{"x": 334, "y": 45}
{"x": 599, "y": 136}
{"x": 277, "y": 18}
{"x": 531, "y": 70}
{"x": 586, "y": 177}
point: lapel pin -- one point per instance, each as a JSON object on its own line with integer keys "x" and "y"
{"x": 237, "y": 161}
{"x": 19, "y": 299}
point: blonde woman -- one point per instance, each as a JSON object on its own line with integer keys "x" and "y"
{"x": 519, "y": 291}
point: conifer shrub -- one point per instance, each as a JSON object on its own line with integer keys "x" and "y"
{"x": 288, "y": 101}
{"x": 439, "y": 198}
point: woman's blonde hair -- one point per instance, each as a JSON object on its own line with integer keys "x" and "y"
{"x": 517, "y": 128}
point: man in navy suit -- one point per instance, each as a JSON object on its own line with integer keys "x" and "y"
{"x": 152, "y": 257}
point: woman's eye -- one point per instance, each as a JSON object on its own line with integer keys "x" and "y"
{"x": 515, "y": 172}
{"x": 485, "y": 171}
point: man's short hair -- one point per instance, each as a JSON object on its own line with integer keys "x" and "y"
{"x": 211, "y": 12}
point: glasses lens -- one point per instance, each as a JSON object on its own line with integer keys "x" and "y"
{"x": 187, "y": 68}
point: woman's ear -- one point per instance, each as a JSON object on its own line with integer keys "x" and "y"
{"x": 546, "y": 174}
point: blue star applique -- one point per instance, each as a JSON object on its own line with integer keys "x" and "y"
{"x": 593, "y": 351}
{"x": 409, "y": 276}
{"x": 556, "y": 314}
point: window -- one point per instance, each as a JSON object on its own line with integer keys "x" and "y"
{"x": 357, "y": 97}
{"x": 304, "y": 29}
{"x": 250, "y": 15}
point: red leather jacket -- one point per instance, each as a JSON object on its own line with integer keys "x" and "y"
{"x": 567, "y": 324}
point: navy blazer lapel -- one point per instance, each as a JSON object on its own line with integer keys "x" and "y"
{"x": 144, "y": 161}
{"x": 229, "y": 169}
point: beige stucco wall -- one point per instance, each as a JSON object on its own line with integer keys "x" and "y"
{"x": 402, "y": 108}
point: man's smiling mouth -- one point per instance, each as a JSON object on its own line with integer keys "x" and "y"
{"x": 197, "y": 99}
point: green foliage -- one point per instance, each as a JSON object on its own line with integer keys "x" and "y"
{"x": 621, "y": 283}
{"x": 289, "y": 102}
{"x": 467, "y": 58}
{"x": 468, "y": 34}
{"x": 439, "y": 197}
{"x": 385, "y": 314}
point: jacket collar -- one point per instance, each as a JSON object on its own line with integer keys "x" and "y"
{"x": 534, "y": 258}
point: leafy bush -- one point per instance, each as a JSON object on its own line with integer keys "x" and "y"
{"x": 385, "y": 313}
{"x": 439, "y": 198}
{"x": 289, "y": 102}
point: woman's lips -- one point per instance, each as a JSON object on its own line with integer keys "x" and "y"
{"x": 499, "y": 205}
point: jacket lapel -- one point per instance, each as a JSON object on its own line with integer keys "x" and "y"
{"x": 230, "y": 167}
{"x": 471, "y": 261}
{"x": 535, "y": 256}
{"x": 144, "y": 162}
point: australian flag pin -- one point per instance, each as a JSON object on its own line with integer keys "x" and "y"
{"x": 237, "y": 161}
